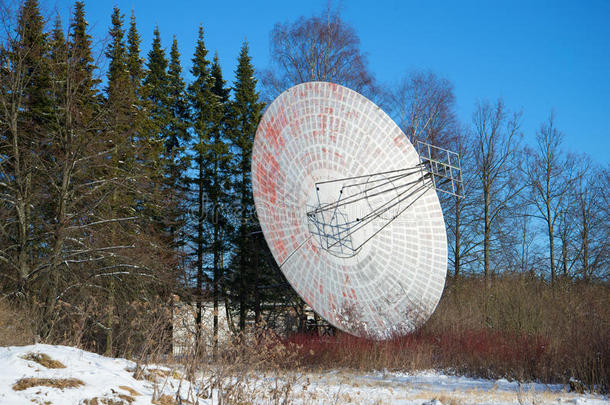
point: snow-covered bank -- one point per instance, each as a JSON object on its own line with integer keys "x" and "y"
{"x": 97, "y": 379}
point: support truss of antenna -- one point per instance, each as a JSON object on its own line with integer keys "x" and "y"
{"x": 439, "y": 169}
{"x": 443, "y": 167}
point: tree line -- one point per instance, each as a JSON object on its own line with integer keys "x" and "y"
{"x": 529, "y": 209}
{"x": 118, "y": 195}
{"x": 123, "y": 193}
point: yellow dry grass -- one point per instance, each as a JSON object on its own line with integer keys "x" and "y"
{"x": 44, "y": 360}
{"x": 130, "y": 390}
{"x": 165, "y": 400}
{"x": 154, "y": 374}
{"x": 127, "y": 398}
{"x": 61, "y": 383}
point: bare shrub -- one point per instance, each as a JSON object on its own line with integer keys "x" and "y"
{"x": 247, "y": 367}
{"x": 16, "y": 326}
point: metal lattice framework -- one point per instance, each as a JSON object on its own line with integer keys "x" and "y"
{"x": 443, "y": 167}
{"x": 440, "y": 169}
{"x": 350, "y": 210}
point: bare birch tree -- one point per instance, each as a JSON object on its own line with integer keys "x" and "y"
{"x": 550, "y": 178}
{"x": 590, "y": 218}
{"x": 423, "y": 106}
{"x": 496, "y": 139}
{"x": 319, "y": 48}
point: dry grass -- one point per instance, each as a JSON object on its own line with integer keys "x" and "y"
{"x": 44, "y": 360}
{"x": 130, "y": 390}
{"x": 106, "y": 401}
{"x": 117, "y": 399}
{"x": 126, "y": 398}
{"x": 241, "y": 369}
{"x": 165, "y": 400}
{"x": 562, "y": 331}
{"x": 516, "y": 328}
{"x": 153, "y": 374}
{"x": 61, "y": 383}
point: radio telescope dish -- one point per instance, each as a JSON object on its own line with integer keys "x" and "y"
{"x": 349, "y": 209}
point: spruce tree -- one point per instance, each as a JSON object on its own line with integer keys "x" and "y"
{"x": 134, "y": 61}
{"x": 58, "y": 58}
{"x": 155, "y": 100}
{"x": 176, "y": 141}
{"x": 245, "y": 113}
{"x": 120, "y": 99}
{"x": 155, "y": 94}
{"x": 203, "y": 106}
{"x": 35, "y": 60}
{"x": 82, "y": 63}
{"x": 156, "y": 83}
{"x": 55, "y": 160}
{"x": 135, "y": 72}
{"x": 218, "y": 182}
{"x": 120, "y": 136}
{"x": 177, "y": 104}
{"x": 117, "y": 55}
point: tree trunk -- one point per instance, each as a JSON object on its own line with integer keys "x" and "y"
{"x": 456, "y": 258}
{"x": 551, "y": 241}
{"x": 216, "y": 278}
{"x": 585, "y": 248}
{"x": 487, "y": 236}
{"x": 199, "y": 292}
{"x": 243, "y": 239}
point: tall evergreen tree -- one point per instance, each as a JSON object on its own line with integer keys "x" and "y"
{"x": 177, "y": 104}
{"x": 176, "y": 141}
{"x": 156, "y": 83}
{"x": 155, "y": 100}
{"x": 134, "y": 61}
{"x": 119, "y": 105}
{"x": 120, "y": 96}
{"x": 218, "y": 182}
{"x": 155, "y": 93}
{"x": 206, "y": 99}
{"x": 135, "y": 72}
{"x": 245, "y": 113}
{"x": 117, "y": 55}
{"x": 82, "y": 61}
{"x": 37, "y": 75}
{"x": 141, "y": 119}
{"x": 59, "y": 54}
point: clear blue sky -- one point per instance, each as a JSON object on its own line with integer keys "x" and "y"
{"x": 536, "y": 55}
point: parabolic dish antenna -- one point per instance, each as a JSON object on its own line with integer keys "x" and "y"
{"x": 349, "y": 209}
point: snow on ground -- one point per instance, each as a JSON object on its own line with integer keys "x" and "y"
{"x": 111, "y": 381}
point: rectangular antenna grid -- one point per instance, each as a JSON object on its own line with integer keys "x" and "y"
{"x": 443, "y": 167}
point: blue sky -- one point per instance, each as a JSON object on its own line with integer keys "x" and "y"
{"x": 536, "y": 55}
